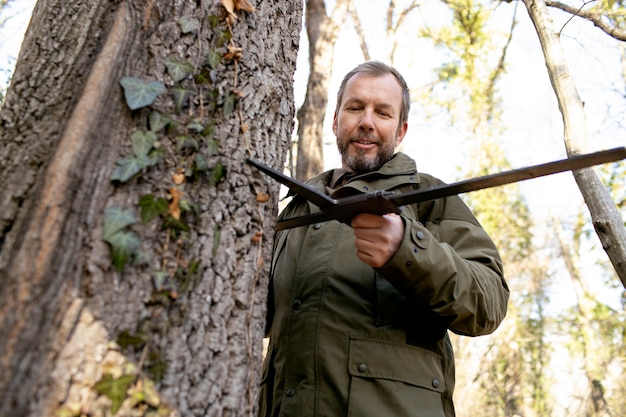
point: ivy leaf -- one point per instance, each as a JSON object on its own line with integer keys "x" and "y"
{"x": 209, "y": 130}
{"x": 200, "y": 165}
{"x": 213, "y": 147}
{"x": 142, "y": 142}
{"x": 126, "y": 339}
{"x": 229, "y": 104}
{"x": 175, "y": 224}
{"x": 185, "y": 142}
{"x": 157, "y": 121}
{"x": 145, "y": 392}
{"x": 114, "y": 389}
{"x": 126, "y": 167}
{"x": 214, "y": 58}
{"x": 151, "y": 207}
{"x": 219, "y": 172}
{"x": 178, "y": 69}
{"x": 123, "y": 246}
{"x": 159, "y": 280}
{"x": 181, "y": 95}
{"x": 195, "y": 126}
{"x": 115, "y": 219}
{"x": 223, "y": 36}
{"x": 188, "y": 24}
{"x": 139, "y": 94}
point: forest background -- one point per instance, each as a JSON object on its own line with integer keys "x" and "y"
{"x": 560, "y": 351}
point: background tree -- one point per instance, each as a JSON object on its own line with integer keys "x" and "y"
{"x": 134, "y": 236}
{"x": 606, "y": 218}
{"x": 321, "y": 31}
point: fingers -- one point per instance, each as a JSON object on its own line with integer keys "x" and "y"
{"x": 377, "y": 238}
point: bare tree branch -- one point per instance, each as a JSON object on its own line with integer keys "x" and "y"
{"x": 593, "y": 16}
{"x": 359, "y": 30}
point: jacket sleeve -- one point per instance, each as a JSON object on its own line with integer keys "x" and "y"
{"x": 451, "y": 267}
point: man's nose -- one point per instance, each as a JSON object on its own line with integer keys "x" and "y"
{"x": 367, "y": 121}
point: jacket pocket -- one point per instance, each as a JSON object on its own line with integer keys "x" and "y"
{"x": 394, "y": 380}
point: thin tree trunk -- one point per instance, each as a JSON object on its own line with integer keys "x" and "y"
{"x": 179, "y": 328}
{"x": 322, "y": 33}
{"x": 605, "y": 216}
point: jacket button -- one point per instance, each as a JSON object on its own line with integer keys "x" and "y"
{"x": 296, "y": 303}
{"x": 436, "y": 383}
{"x": 290, "y": 393}
{"x": 316, "y": 226}
{"x": 362, "y": 367}
{"x": 365, "y": 188}
{"x": 409, "y": 263}
{"x": 419, "y": 234}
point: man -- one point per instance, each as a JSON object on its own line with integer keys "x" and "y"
{"x": 358, "y": 316}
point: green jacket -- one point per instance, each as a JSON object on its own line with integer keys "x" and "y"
{"x": 349, "y": 340}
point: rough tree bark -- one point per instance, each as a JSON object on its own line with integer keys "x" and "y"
{"x": 177, "y": 329}
{"x": 322, "y": 34}
{"x": 605, "y": 215}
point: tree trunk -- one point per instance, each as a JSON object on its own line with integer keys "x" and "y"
{"x": 164, "y": 314}
{"x": 605, "y": 215}
{"x": 322, "y": 33}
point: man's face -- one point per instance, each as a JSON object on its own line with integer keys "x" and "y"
{"x": 367, "y": 124}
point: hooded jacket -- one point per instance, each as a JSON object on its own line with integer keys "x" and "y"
{"x": 350, "y": 340}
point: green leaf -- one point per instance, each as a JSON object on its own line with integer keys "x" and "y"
{"x": 178, "y": 69}
{"x": 213, "y": 147}
{"x": 159, "y": 279}
{"x": 185, "y": 142}
{"x": 115, "y": 389}
{"x": 115, "y": 219}
{"x": 206, "y": 76}
{"x": 200, "y": 164}
{"x": 157, "y": 154}
{"x": 175, "y": 224}
{"x": 188, "y": 24}
{"x": 223, "y": 36}
{"x": 126, "y": 167}
{"x": 157, "y": 370}
{"x": 195, "y": 126}
{"x": 141, "y": 257}
{"x": 139, "y": 94}
{"x": 229, "y": 104}
{"x": 123, "y": 246}
{"x": 157, "y": 121}
{"x": 151, "y": 207}
{"x": 181, "y": 95}
{"x": 214, "y": 58}
{"x": 142, "y": 142}
{"x": 209, "y": 130}
{"x": 126, "y": 339}
{"x": 151, "y": 394}
{"x": 214, "y": 21}
{"x": 219, "y": 172}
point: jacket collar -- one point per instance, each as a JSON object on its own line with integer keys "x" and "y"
{"x": 400, "y": 170}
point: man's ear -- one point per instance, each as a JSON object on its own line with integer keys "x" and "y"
{"x": 401, "y": 133}
{"x": 335, "y": 124}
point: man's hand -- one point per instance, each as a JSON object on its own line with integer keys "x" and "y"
{"x": 377, "y": 237}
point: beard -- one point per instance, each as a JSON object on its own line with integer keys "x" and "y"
{"x": 360, "y": 163}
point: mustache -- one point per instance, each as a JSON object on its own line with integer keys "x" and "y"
{"x": 368, "y": 136}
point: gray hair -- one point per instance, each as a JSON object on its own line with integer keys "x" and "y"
{"x": 376, "y": 69}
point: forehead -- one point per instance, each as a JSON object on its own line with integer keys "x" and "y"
{"x": 380, "y": 88}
